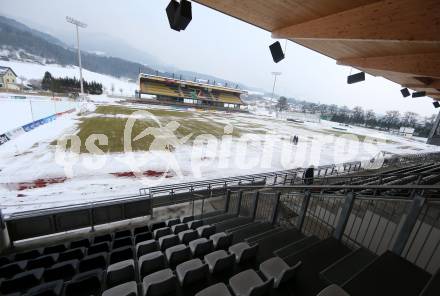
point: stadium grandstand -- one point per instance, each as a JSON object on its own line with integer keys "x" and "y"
{"x": 352, "y": 231}
{"x": 190, "y": 93}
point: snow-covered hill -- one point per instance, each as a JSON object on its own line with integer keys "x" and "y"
{"x": 36, "y": 71}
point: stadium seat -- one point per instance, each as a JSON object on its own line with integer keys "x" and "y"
{"x": 168, "y": 241}
{"x": 176, "y": 229}
{"x": 87, "y": 283}
{"x": 4, "y": 261}
{"x": 121, "y": 254}
{"x": 77, "y": 253}
{"x": 32, "y": 254}
{"x": 206, "y": 230}
{"x": 22, "y": 281}
{"x": 158, "y": 233}
{"x": 95, "y": 261}
{"x": 219, "y": 289}
{"x": 219, "y": 261}
{"x": 141, "y": 237}
{"x": 102, "y": 238}
{"x": 122, "y": 242}
{"x": 98, "y": 248}
{"x": 150, "y": 263}
{"x": 221, "y": 240}
{"x": 43, "y": 261}
{"x": 141, "y": 229}
{"x": 119, "y": 273}
{"x": 146, "y": 247}
{"x": 61, "y": 271}
{"x": 54, "y": 249}
{"x": 122, "y": 233}
{"x": 201, "y": 247}
{"x": 54, "y": 288}
{"x": 194, "y": 224}
{"x": 126, "y": 289}
{"x": 172, "y": 222}
{"x": 186, "y": 219}
{"x": 9, "y": 270}
{"x": 80, "y": 243}
{"x": 243, "y": 252}
{"x": 188, "y": 235}
{"x": 160, "y": 283}
{"x": 191, "y": 271}
{"x": 277, "y": 269}
{"x": 333, "y": 290}
{"x": 177, "y": 254}
{"x": 249, "y": 283}
{"x": 157, "y": 225}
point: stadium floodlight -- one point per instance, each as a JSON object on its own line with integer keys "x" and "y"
{"x": 77, "y": 25}
{"x": 275, "y": 75}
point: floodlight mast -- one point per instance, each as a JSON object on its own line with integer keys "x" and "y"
{"x": 275, "y": 74}
{"x": 77, "y": 25}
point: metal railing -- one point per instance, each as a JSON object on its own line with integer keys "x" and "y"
{"x": 408, "y": 224}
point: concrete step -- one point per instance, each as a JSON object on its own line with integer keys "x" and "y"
{"x": 296, "y": 246}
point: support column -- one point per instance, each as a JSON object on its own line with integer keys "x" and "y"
{"x": 274, "y": 216}
{"x": 434, "y": 134}
{"x": 5, "y": 242}
{"x": 255, "y": 205}
{"x": 345, "y": 215}
{"x": 304, "y": 207}
{"x": 227, "y": 200}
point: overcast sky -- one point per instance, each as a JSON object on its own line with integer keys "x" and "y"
{"x": 219, "y": 45}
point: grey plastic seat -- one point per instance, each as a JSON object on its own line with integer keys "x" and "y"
{"x": 201, "y": 247}
{"x": 160, "y": 283}
{"x": 219, "y": 261}
{"x": 122, "y": 242}
{"x": 86, "y": 283}
{"x": 123, "y": 233}
{"x": 206, "y": 230}
{"x": 157, "y": 225}
{"x": 188, "y": 235}
{"x": 177, "y": 254}
{"x": 249, "y": 283}
{"x": 80, "y": 243}
{"x": 73, "y": 254}
{"x": 119, "y": 273}
{"x": 9, "y": 270}
{"x": 50, "y": 288}
{"x": 54, "y": 249}
{"x": 102, "y": 238}
{"x": 141, "y": 229}
{"x": 150, "y": 263}
{"x": 142, "y": 237}
{"x": 172, "y": 222}
{"x": 43, "y": 261}
{"x": 168, "y": 241}
{"x": 61, "y": 271}
{"x": 221, "y": 240}
{"x": 178, "y": 228}
{"x": 125, "y": 289}
{"x": 333, "y": 290}
{"x": 195, "y": 224}
{"x": 22, "y": 281}
{"x": 95, "y": 261}
{"x": 146, "y": 247}
{"x": 219, "y": 289}
{"x": 158, "y": 233}
{"x": 191, "y": 271}
{"x": 32, "y": 254}
{"x": 243, "y": 252}
{"x": 277, "y": 269}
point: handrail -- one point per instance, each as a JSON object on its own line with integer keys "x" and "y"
{"x": 353, "y": 187}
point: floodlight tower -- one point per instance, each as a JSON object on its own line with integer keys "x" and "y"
{"x": 77, "y": 25}
{"x": 275, "y": 75}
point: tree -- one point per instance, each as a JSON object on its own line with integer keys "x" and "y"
{"x": 392, "y": 119}
{"x": 410, "y": 119}
{"x": 121, "y": 91}
{"x": 47, "y": 81}
{"x": 370, "y": 118}
{"x": 112, "y": 88}
{"x": 358, "y": 115}
{"x": 282, "y": 104}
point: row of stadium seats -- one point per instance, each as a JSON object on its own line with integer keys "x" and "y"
{"x": 160, "y": 89}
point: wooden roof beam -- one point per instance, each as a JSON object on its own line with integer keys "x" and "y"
{"x": 427, "y": 64}
{"x": 388, "y": 20}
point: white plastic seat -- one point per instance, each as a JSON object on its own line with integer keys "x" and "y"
{"x": 275, "y": 268}
{"x": 249, "y": 283}
{"x": 126, "y": 289}
{"x": 160, "y": 283}
{"x": 243, "y": 252}
{"x": 219, "y": 261}
{"x": 191, "y": 271}
{"x": 201, "y": 247}
{"x": 333, "y": 290}
{"x": 219, "y": 289}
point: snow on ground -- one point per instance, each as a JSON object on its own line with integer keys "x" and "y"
{"x": 265, "y": 147}
{"x": 36, "y": 71}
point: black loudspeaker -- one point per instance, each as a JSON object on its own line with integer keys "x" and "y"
{"x": 277, "y": 52}
{"x": 418, "y": 94}
{"x": 183, "y": 15}
{"x": 436, "y": 104}
{"x": 405, "y": 92}
{"x": 358, "y": 77}
{"x": 171, "y": 13}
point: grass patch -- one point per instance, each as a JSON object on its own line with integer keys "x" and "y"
{"x": 114, "y": 110}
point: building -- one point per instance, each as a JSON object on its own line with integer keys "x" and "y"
{"x": 191, "y": 93}
{"x": 7, "y": 78}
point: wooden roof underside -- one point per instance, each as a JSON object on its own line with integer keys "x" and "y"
{"x": 395, "y": 39}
